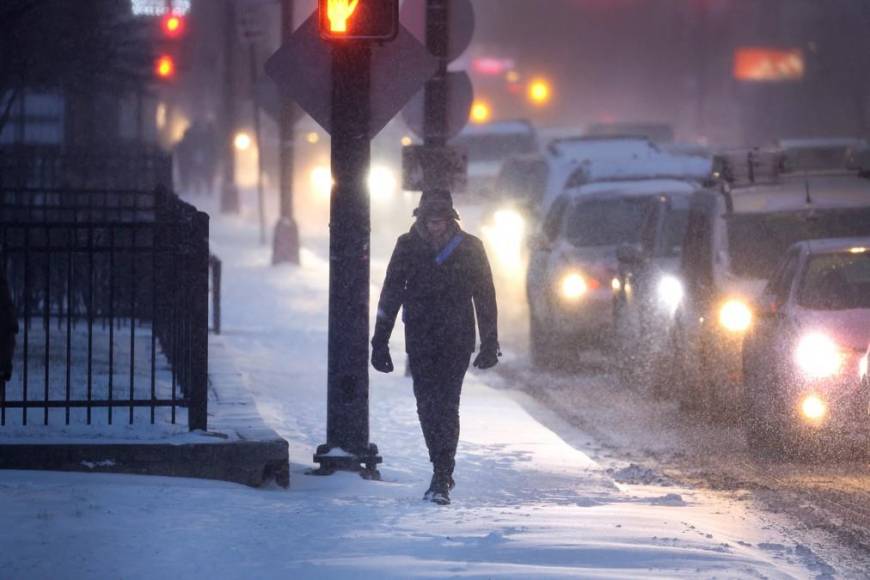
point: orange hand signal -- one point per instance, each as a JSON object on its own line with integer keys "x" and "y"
{"x": 339, "y": 12}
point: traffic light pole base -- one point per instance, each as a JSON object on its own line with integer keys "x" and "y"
{"x": 332, "y": 459}
{"x": 230, "y": 199}
{"x": 285, "y": 244}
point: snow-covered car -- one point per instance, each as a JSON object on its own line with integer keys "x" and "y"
{"x": 573, "y": 263}
{"x": 487, "y": 146}
{"x": 647, "y": 289}
{"x": 734, "y": 240}
{"x": 802, "y": 369}
{"x": 527, "y": 184}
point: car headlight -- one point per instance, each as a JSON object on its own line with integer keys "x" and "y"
{"x": 818, "y": 356}
{"x": 814, "y": 408}
{"x": 382, "y": 183}
{"x": 670, "y": 292}
{"x": 735, "y": 316}
{"x": 321, "y": 180}
{"x": 573, "y": 286}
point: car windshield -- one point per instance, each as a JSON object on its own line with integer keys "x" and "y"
{"x": 606, "y": 222}
{"x": 495, "y": 146}
{"x": 838, "y": 281}
{"x": 673, "y": 232}
{"x": 758, "y": 241}
{"x": 525, "y": 180}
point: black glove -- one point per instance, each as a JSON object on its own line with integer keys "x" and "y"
{"x": 381, "y": 359}
{"x": 486, "y": 358}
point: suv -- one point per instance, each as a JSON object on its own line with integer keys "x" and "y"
{"x": 802, "y": 357}
{"x": 573, "y": 262}
{"x": 734, "y": 241}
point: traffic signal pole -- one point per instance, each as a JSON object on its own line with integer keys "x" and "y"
{"x": 230, "y": 192}
{"x": 285, "y": 244}
{"x": 435, "y": 97}
{"x": 347, "y": 424}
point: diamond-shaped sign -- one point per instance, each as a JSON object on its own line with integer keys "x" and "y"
{"x": 302, "y": 69}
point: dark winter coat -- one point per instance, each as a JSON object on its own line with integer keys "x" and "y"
{"x": 8, "y": 329}
{"x": 438, "y": 300}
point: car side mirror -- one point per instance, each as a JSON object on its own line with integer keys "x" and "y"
{"x": 629, "y": 254}
{"x": 539, "y": 243}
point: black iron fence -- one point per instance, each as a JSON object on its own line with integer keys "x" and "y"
{"x": 111, "y": 290}
{"x": 132, "y": 166}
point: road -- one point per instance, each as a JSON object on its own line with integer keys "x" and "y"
{"x": 827, "y": 501}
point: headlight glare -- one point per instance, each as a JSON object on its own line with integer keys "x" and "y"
{"x": 735, "y": 316}
{"x": 382, "y": 183}
{"x": 573, "y": 286}
{"x": 814, "y": 408}
{"x": 670, "y": 292}
{"x": 818, "y": 356}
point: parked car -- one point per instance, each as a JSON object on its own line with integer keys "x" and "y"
{"x": 734, "y": 240}
{"x": 801, "y": 359}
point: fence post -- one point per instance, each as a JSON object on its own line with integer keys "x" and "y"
{"x": 198, "y": 411}
{"x": 216, "y": 274}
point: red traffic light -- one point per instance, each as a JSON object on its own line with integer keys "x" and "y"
{"x": 358, "y": 19}
{"x": 164, "y": 67}
{"x": 172, "y": 25}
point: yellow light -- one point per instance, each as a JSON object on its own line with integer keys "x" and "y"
{"x": 339, "y": 12}
{"x": 480, "y": 112}
{"x": 321, "y": 180}
{"x": 512, "y": 76}
{"x": 735, "y": 316}
{"x": 573, "y": 286}
{"x": 406, "y": 140}
{"x": 818, "y": 356}
{"x": 242, "y": 141}
{"x": 814, "y": 408}
{"x": 857, "y": 250}
{"x": 165, "y": 67}
{"x": 540, "y": 92}
{"x": 616, "y": 285}
{"x": 312, "y": 137}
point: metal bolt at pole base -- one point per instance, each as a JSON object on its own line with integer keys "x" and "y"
{"x": 363, "y": 461}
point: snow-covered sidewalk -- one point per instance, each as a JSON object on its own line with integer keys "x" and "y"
{"x": 528, "y": 502}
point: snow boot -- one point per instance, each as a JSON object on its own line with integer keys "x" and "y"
{"x": 439, "y": 489}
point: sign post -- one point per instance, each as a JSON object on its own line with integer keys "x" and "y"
{"x": 347, "y": 424}
{"x": 340, "y": 66}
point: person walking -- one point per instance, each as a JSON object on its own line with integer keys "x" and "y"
{"x": 440, "y": 276}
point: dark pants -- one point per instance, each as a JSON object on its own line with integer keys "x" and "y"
{"x": 437, "y": 386}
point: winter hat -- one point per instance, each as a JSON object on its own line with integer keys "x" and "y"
{"x": 436, "y": 203}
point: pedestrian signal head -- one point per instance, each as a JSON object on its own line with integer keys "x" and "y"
{"x": 358, "y": 19}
